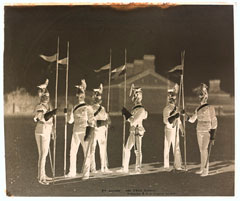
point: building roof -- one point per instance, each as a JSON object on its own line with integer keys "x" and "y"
{"x": 131, "y": 79}
{"x": 142, "y": 69}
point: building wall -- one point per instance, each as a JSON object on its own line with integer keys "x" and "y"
{"x": 114, "y": 99}
{"x": 142, "y": 73}
{"x": 154, "y": 99}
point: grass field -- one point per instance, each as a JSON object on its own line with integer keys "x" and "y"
{"x": 21, "y": 163}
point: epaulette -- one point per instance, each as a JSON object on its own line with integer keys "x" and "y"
{"x": 99, "y": 109}
{"x": 78, "y": 106}
{"x": 202, "y": 106}
{"x": 173, "y": 111}
{"x": 137, "y": 106}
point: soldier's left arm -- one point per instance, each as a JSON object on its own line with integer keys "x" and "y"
{"x": 139, "y": 115}
{"x": 39, "y": 114}
{"x": 193, "y": 118}
{"x": 214, "y": 122}
{"x": 71, "y": 117}
{"x": 105, "y": 114}
{"x": 90, "y": 115}
{"x": 181, "y": 126}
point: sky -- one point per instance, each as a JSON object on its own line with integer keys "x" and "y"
{"x": 204, "y": 32}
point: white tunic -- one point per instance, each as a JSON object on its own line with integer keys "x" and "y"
{"x": 136, "y": 120}
{"x": 102, "y": 115}
{"x": 169, "y": 111}
{"x": 43, "y": 127}
{"x": 206, "y": 118}
{"x": 82, "y": 117}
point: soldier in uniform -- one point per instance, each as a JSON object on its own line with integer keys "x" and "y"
{"x": 135, "y": 118}
{"x": 206, "y": 127}
{"x": 83, "y": 119}
{"x": 43, "y": 131}
{"x": 102, "y": 120}
{"x": 172, "y": 125}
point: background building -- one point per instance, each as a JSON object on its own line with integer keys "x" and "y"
{"x": 222, "y": 101}
{"x": 140, "y": 73}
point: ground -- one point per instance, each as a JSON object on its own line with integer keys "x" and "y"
{"x": 21, "y": 163}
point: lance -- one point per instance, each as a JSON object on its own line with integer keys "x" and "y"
{"x": 184, "y": 116}
{"x": 50, "y": 158}
{"x": 109, "y": 81}
{"x": 209, "y": 152}
{"x": 55, "y": 117}
{"x": 124, "y": 104}
{"x": 108, "y": 103}
{"x": 177, "y": 129}
{"x": 65, "y": 112}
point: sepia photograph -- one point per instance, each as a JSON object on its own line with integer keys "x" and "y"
{"x": 115, "y": 99}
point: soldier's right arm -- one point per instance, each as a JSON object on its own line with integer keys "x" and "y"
{"x": 166, "y": 115}
{"x": 39, "y": 114}
{"x": 71, "y": 117}
{"x": 139, "y": 115}
{"x": 193, "y": 118}
{"x": 90, "y": 114}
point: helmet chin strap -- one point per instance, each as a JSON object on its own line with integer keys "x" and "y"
{"x": 97, "y": 101}
{"x": 203, "y": 100}
{"x": 44, "y": 99}
{"x": 137, "y": 101}
{"x": 172, "y": 101}
{"x": 81, "y": 97}
{"x": 137, "y": 98}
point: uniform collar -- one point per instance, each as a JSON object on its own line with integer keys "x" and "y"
{"x": 171, "y": 104}
{"x": 45, "y": 104}
{"x": 137, "y": 105}
{"x": 203, "y": 103}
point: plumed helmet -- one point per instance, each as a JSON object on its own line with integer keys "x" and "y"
{"x": 42, "y": 89}
{"x": 202, "y": 91}
{"x": 136, "y": 93}
{"x": 97, "y": 94}
{"x": 172, "y": 93}
{"x": 81, "y": 88}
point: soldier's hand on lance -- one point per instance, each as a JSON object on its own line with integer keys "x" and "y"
{"x": 173, "y": 117}
{"x": 212, "y": 134}
{"x": 212, "y": 142}
{"x": 50, "y": 114}
{"x": 109, "y": 122}
{"x": 65, "y": 110}
{"x": 126, "y": 113}
{"x": 89, "y": 133}
{"x": 53, "y": 134}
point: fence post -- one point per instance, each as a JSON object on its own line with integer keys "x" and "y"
{"x": 13, "y": 108}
